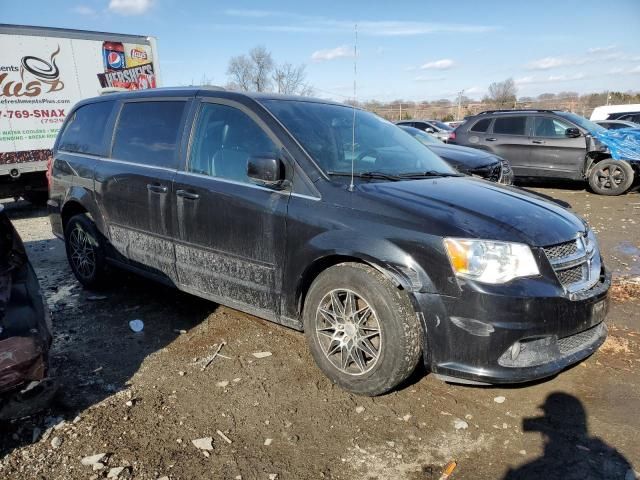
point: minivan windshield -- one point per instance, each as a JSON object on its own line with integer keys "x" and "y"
{"x": 326, "y": 132}
{"x": 582, "y": 122}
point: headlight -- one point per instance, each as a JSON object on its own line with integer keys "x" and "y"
{"x": 488, "y": 261}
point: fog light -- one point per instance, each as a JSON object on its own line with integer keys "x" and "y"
{"x": 515, "y": 350}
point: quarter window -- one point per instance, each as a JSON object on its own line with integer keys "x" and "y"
{"x": 224, "y": 140}
{"x": 86, "y": 130}
{"x": 148, "y": 133}
{"x": 510, "y": 125}
{"x": 481, "y": 126}
{"x": 549, "y": 127}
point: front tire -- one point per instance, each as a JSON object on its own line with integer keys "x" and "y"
{"x": 362, "y": 331}
{"x": 611, "y": 177}
{"x": 85, "y": 248}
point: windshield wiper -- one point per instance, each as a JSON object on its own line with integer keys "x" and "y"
{"x": 429, "y": 173}
{"x": 374, "y": 175}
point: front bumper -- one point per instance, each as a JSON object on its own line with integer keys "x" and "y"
{"x": 485, "y": 337}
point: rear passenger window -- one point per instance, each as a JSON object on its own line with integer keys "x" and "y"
{"x": 481, "y": 126}
{"x": 224, "y": 139}
{"x": 510, "y": 125}
{"x": 85, "y": 131}
{"x": 148, "y": 133}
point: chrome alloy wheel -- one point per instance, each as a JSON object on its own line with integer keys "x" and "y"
{"x": 83, "y": 253}
{"x": 348, "y": 332}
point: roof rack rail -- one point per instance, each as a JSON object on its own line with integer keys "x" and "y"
{"x": 216, "y": 88}
{"x": 519, "y": 110}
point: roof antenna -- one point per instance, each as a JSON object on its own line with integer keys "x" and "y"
{"x": 353, "y": 130}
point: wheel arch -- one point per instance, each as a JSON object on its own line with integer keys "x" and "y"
{"x": 404, "y": 277}
{"x": 70, "y": 209}
{"x": 593, "y": 158}
{"x": 79, "y": 200}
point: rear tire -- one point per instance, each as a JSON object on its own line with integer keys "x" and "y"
{"x": 85, "y": 248}
{"x": 611, "y": 177}
{"x": 362, "y": 330}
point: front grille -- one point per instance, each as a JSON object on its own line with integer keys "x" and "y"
{"x": 561, "y": 250}
{"x": 570, "y": 275}
{"x": 496, "y": 173}
{"x": 491, "y": 172}
{"x": 576, "y": 266}
{"x": 539, "y": 351}
{"x": 577, "y": 341}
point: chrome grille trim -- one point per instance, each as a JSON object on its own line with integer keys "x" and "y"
{"x": 576, "y": 263}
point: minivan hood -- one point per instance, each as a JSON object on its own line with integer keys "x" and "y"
{"x": 473, "y": 208}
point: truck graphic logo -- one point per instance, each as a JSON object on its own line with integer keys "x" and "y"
{"x": 45, "y": 77}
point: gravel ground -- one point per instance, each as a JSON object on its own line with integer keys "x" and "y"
{"x": 142, "y": 399}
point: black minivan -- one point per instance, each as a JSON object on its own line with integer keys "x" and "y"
{"x": 331, "y": 220}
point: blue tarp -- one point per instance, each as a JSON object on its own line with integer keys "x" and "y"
{"x": 623, "y": 143}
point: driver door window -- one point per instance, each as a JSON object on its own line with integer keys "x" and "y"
{"x": 224, "y": 140}
{"x": 549, "y": 127}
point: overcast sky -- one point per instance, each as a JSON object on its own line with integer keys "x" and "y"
{"x": 409, "y": 50}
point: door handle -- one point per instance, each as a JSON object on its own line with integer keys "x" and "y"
{"x": 538, "y": 142}
{"x": 491, "y": 139}
{"x": 187, "y": 195}
{"x": 156, "y": 188}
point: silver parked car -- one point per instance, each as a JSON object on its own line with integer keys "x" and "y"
{"x": 438, "y": 129}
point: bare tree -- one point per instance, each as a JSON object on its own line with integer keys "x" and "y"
{"x": 290, "y": 80}
{"x": 240, "y": 72}
{"x": 502, "y": 94}
{"x": 262, "y": 64}
{"x": 258, "y": 72}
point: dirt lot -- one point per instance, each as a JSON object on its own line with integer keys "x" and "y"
{"x": 142, "y": 398}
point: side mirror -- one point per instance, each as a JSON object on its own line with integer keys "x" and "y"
{"x": 572, "y": 132}
{"x": 266, "y": 171}
{"x": 430, "y": 130}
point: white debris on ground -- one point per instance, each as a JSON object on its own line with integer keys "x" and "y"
{"x": 205, "y": 443}
{"x": 262, "y": 354}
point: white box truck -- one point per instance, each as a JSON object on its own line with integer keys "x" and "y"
{"x": 43, "y": 73}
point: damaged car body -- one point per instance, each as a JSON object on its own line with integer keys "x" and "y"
{"x": 25, "y": 330}
{"x": 556, "y": 144}
{"x": 331, "y": 220}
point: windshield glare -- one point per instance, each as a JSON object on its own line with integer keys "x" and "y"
{"x": 326, "y": 132}
{"x": 582, "y": 122}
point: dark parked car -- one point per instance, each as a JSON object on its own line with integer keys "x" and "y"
{"x": 25, "y": 330}
{"x": 625, "y": 116}
{"x": 376, "y": 248}
{"x": 617, "y": 124}
{"x": 466, "y": 160}
{"x": 438, "y": 129}
{"x": 555, "y": 144}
